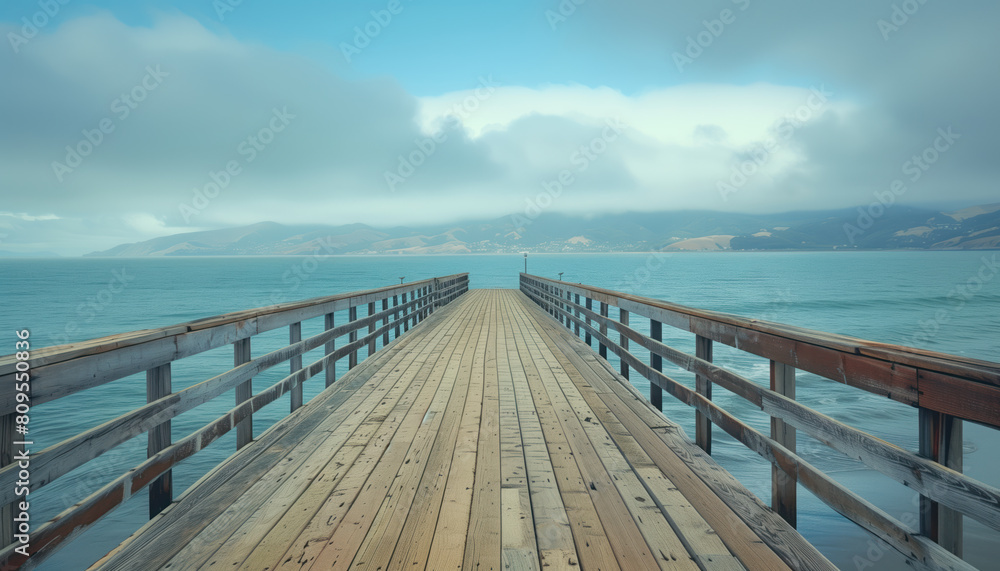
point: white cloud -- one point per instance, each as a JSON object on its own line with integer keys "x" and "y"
{"x": 329, "y": 163}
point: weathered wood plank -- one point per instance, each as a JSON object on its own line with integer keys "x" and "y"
{"x": 783, "y": 484}
{"x": 417, "y": 533}
{"x": 161, "y": 491}
{"x": 294, "y": 364}
{"x": 970, "y": 496}
{"x": 244, "y": 392}
{"x": 590, "y": 538}
{"x": 483, "y": 544}
{"x": 447, "y": 550}
{"x": 552, "y": 532}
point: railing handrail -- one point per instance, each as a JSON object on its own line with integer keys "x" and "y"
{"x": 59, "y": 353}
{"x": 144, "y": 351}
{"x": 94, "y": 358}
{"x": 905, "y": 374}
{"x": 923, "y": 358}
{"x": 935, "y": 471}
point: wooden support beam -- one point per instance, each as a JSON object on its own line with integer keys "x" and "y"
{"x": 623, "y": 340}
{"x": 783, "y": 484}
{"x": 703, "y": 385}
{"x": 295, "y": 363}
{"x": 395, "y": 303}
{"x": 371, "y": 329}
{"x": 331, "y": 346}
{"x": 576, "y": 326}
{"x": 586, "y": 336}
{"x": 7, "y": 452}
{"x": 406, "y": 312}
{"x": 244, "y": 391}
{"x": 941, "y": 441}
{"x": 385, "y": 321}
{"x": 602, "y": 348}
{"x": 161, "y": 492}
{"x": 656, "y": 362}
{"x": 352, "y": 316}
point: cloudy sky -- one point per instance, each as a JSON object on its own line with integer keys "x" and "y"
{"x": 125, "y": 120}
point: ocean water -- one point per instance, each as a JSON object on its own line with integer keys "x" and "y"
{"x": 945, "y": 301}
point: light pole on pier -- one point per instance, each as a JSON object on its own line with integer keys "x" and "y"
{"x": 525, "y": 262}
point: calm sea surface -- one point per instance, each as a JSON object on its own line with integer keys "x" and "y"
{"x": 945, "y": 301}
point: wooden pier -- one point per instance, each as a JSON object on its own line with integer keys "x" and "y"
{"x": 489, "y": 435}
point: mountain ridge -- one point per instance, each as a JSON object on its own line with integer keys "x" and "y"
{"x": 898, "y": 227}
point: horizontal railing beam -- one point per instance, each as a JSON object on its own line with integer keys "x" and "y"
{"x": 962, "y": 389}
{"x": 961, "y": 492}
{"x": 923, "y": 552}
{"x": 63, "y": 457}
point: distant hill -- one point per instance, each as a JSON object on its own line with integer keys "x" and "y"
{"x": 895, "y": 227}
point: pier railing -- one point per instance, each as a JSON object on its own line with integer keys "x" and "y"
{"x": 946, "y": 389}
{"x": 60, "y": 372}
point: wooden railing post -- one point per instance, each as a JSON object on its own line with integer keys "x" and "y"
{"x": 385, "y": 322}
{"x": 244, "y": 391}
{"x": 586, "y": 335}
{"x": 783, "y": 485}
{"x": 330, "y": 347}
{"x": 576, "y": 313}
{"x": 160, "y": 490}
{"x": 623, "y": 340}
{"x": 941, "y": 441}
{"x": 406, "y": 312}
{"x": 8, "y": 450}
{"x": 398, "y": 316}
{"x": 603, "y": 349}
{"x": 295, "y": 364}
{"x": 352, "y": 358}
{"x": 569, "y": 300}
{"x": 371, "y": 329}
{"x": 703, "y": 386}
{"x": 656, "y": 361}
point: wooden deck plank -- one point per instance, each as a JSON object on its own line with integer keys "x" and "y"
{"x": 203, "y": 502}
{"x": 417, "y": 533}
{"x": 579, "y": 471}
{"x": 487, "y": 437}
{"x": 517, "y": 527}
{"x": 448, "y": 544}
{"x": 436, "y": 437}
{"x": 700, "y": 540}
{"x": 606, "y": 469}
{"x": 482, "y": 546}
{"x": 725, "y": 504}
{"x": 553, "y": 534}
{"x": 248, "y": 521}
{"x": 354, "y": 497}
